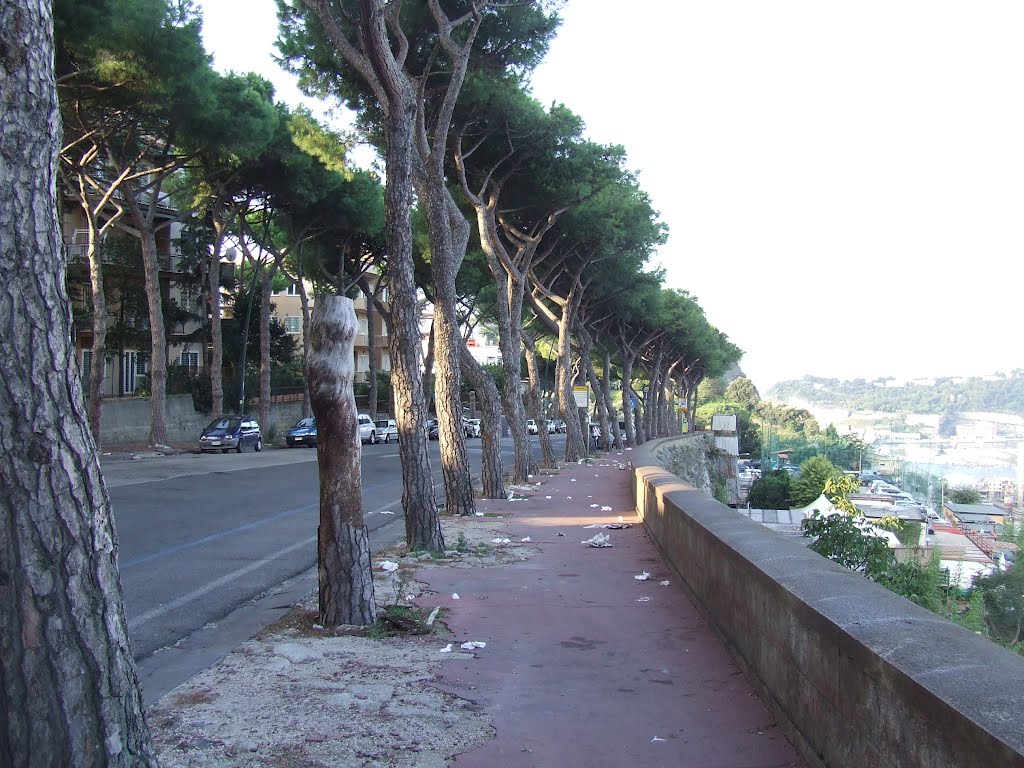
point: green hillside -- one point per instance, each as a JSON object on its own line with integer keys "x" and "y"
{"x": 1000, "y": 393}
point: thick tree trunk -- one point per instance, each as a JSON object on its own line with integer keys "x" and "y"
{"x": 266, "y": 286}
{"x": 216, "y": 370}
{"x": 70, "y": 691}
{"x": 98, "y": 363}
{"x": 586, "y": 346}
{"x": 371, "y": 344}
{"x": 509, "y": 317}
{"x": 307, "y": 344}
{"x": 422, "y": 526}
{"x": 447, "y": 231}
{"x": 158, "y": 335}
{"x": 575, "y": 440}
{"x": 547, "y": 451}
{"x": 606, "y": 393}
{"x": 343, "y": 545}
{"x": 492, "y": 485}
{"x": 628, "y": 411}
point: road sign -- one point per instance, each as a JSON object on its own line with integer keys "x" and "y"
{"x": 582, "y": 396}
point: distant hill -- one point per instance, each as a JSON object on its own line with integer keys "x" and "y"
{"x": 999, "y": 393}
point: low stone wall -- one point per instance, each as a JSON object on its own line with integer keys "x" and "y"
{"x": 856, "y": 675}
{"x": 127, "y": 420}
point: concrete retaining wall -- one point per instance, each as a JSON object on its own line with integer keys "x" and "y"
{"x": 127, "y": 420}
{"x": 857, "y": 675}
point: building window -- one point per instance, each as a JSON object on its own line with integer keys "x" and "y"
{"x": 293, "y": 289}
{"x": 362, "y": 326}
{"x": 362, "y": 362}
{"x": 134, "y": 366}
{"x": 385, "y": 362}
{"x": 189, "y": 361}
{"x": 293, "y": 324}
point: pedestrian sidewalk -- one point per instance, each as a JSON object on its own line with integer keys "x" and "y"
{"x": 584, "y": 656}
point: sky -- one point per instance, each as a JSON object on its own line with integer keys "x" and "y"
{"x": 843, "y": 183}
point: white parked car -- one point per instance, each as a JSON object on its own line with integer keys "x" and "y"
{"x": 531, "y": 427}
{"x": 367, "y": 429}
{"x": 471, "y": 427}
{"x": 388, "y": 429}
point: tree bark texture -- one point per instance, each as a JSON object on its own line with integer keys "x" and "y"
{"x": 266, "y": 286}
{"x": 628, "y": 412}
{"x": 371, "y": 345}
{"x": 307, "y": 344}
{"x": 606, "y": 393}
{"x": 492, "y": 485}
{"x": 547, "y": 451}
{"x": 575, "y": 439}
{"x": 343, "y": 545}
{"x": 509, "y": 295}
{"x": 447, "y": 230}
{"x": 216, "y": 369}
{"x": 157, "y": 333}
{"x": 98, "y": 363}
{"x": 422, "y": 525}
{"x": 70, "y": 692}
{"x": 586, "y": 344}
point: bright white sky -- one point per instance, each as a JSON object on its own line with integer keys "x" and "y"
{"x": 843, "y": 182}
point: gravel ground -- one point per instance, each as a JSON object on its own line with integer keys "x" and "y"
{"x": 302, "y": 695}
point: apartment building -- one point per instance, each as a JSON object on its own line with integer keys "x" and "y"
{"x": 128, "y": 339}
{"x": 288, "y": 310}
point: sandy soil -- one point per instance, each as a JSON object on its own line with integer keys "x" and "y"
{"x": 302, "y": 695}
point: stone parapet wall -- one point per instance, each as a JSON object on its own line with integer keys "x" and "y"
{"x": 856, "y": 675}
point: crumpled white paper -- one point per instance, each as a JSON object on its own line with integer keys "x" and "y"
{"x": 606, "y": 508}
{"x": 388, "y": 566}
{"x": 386, "y": 512}
{"x": 479, "y": 514}
{"x": 526, "y": 539}
{"x": 664, "y": 583}
{"x": 643, "y": 599}
{"x": 642, "y": 576}
{"x": 598, "y": 540}
{"x": 447, "y": 648}
{"x": 500, "y": 541}
{"x": 469, "y": 646}
{"x": 455, "y": 595}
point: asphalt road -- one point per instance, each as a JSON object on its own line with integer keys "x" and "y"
{"x": 219, "y": 541}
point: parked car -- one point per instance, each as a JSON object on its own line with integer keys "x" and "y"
{"x": 367, "y": 429}
{"x": 388, "y": 428}
{"x": 550, "y": 426}
{"x": 471, "y": 427}
{"x": 432, "y": 429}
{"x": 303, "y": 433}
{"x": 531, "y": 427}
{"x": 560, "y": 426}
{"x": 231, "y": 433}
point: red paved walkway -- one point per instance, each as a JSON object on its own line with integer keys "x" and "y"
{"x": 584, "y": 664}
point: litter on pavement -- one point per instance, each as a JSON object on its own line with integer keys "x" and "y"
{"x": 447, "y": 648}
{"x": 500, "y": 541}
{"x": 470, "y": 645}
{"x": 598, "y": 540}
{"x": 526, "y": 539}
{"x": 389, "y": 566}
{"x": 664, "y": 583}
{"x": 642, "y": 576}
{"x": 386, "y": 512}
{"x": 455, "y": 595}
{"x": 606, "y": 508}
{"x": 643, "y": 599}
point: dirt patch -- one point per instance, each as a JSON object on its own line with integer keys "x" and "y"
{"x": 300, "y": 694}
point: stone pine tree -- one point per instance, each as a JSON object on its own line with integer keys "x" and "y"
{"x": 70, "y": 693}
{"x": 343, "y": 545}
